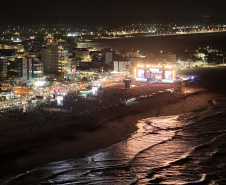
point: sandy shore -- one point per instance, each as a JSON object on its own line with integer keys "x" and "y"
{"x": 22, "y": 152}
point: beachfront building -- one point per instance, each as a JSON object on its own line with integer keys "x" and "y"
{"x": 108, "y": 55}
{"x": 121, "y": 65}
{"x": 121, "y": 69}
{"x": 82, "y": 54}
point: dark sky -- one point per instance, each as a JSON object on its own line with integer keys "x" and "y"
{"x": 13, "y": 9}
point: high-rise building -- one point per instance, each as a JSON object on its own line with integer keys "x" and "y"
{"x": 64, "y": 62}
{"x": 50, "y": 58}
{"x": 26, "y": 69}
{"x": 55, "y": 59}
{"x": 3, "y": 67}
{"x": 108, "y": 55}
{"x": 32, "y": 68}
{"x": 37, "y": 68}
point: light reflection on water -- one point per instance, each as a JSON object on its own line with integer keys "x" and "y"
{"x": 110, "y": 163}
{"x": 163, "y": 150}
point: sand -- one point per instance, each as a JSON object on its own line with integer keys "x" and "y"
{"x": 21, "y": 152}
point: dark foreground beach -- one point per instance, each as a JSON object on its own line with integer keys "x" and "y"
{"x": 22, "y": 151}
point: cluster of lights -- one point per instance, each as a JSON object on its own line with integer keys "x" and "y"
{"x": 174, "y": 75}
{"x": 19, "y": 87}
{"x": 135, "y": 72}
{"x": 5, "y": 84}
{"x": 81, "y": 86}
{"x": 61, "y": 94}
{"x": 39, "y": 83}
{"x": 168, "y": 67}
{"x": 20, "y": 91}
{"x": 140, "y": 65}
{"x": 155, "y": 66}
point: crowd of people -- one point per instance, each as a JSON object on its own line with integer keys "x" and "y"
{"x": 113, "y": 96}
{"x": 76, "y": 106}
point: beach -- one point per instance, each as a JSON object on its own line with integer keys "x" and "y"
{"x": 79, "y": 137}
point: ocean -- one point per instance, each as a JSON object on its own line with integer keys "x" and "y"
{"x": 178, "y": 149}
{"x": 167, "y": 43}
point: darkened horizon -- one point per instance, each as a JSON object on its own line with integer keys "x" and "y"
{"x": 108, "y": 20}
{"x": 48, "y": 11}
{"x": 137, "y": 8}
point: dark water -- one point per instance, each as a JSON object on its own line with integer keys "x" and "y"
{"x": 178, "y": 149}
{"x": 153, "y": 44}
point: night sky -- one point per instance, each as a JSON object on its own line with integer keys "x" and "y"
{"x": 42, "y": 10}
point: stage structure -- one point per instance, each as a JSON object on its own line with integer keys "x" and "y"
{"x": 155, "y": 73}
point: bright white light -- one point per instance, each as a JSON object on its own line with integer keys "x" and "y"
{"x": 39, "y": 83}
{"x": 168, "y": 75}
{"x": 60, "y": 100}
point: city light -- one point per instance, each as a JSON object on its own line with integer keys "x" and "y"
{"x": 111, "y": 100}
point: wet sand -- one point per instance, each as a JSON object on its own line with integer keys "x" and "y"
{"x": 21, "y": 152}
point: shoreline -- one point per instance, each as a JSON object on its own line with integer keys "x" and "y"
{"x": 116, "y": 124}
{"x": 154, "y": 35}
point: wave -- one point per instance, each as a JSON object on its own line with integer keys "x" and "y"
{"x": 202, "y": 181}
{"x": 195, "y": 150}
{"x": 188, "y": 157}
{"x": 142, "y": 151}
{"x": 10, "y": 179}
